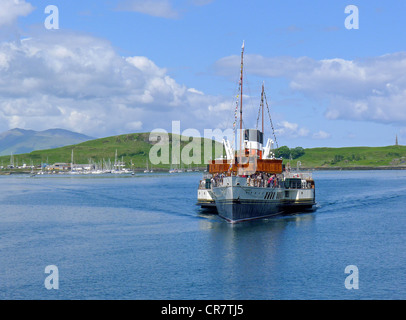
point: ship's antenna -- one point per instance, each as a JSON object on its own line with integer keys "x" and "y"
{"x": 242, "y": 66}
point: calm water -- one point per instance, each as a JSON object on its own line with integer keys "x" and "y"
{"x": 142, "y": 237}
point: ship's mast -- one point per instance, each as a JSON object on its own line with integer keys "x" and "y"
{"x": 262, "y": 105}
{"x": 242, "y": 66}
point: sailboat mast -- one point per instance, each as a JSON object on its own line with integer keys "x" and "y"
{"x": 241, "y": 76}
{"x": 262, "y": 105}
{"x": 115, "y": 161}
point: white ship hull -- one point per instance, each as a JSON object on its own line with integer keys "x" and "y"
{"x": 204, "y": 199}
{"x": 236, "y": 201}
{"x": 204, "y": 196}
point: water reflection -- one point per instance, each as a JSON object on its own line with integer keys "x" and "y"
{"x": 248, "y": 258}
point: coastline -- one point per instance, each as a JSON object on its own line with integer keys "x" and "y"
{"x": 7, "y": 172}
{"x": 160, "y": 170}
{"x": 353, "y": 168}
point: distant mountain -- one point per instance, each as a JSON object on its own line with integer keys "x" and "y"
{"x": 18, "y": 141}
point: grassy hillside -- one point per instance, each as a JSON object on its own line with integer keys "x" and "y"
{"x": 353, "y": 157}
{"x": 133, "y": 148}
{"x": 136, "y": 147}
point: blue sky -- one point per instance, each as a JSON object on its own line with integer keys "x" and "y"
{"x": 122, "y": 66}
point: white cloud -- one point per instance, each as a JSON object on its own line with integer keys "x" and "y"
{"x": 369, "y": 89}
{"x": 290, "y": 130}
{"x": 193, "y": 90}
{"x": 284, "y": 66}
{"x": 158, "y": 84}
{"x": 3, "y": 61}
{"x": 156, "y": 8}
{"x": 321, "y": 135}
{"x": 80, "y": 83}
{"x": 134, "y": 125}
{"x": 10, "y": 10}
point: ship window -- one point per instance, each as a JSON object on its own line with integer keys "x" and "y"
{"x": 286, "y": 194}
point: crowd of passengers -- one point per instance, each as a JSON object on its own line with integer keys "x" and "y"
{"x": 264, "y": 180}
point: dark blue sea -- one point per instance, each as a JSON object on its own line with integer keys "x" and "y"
{"x": 143, "y": 237}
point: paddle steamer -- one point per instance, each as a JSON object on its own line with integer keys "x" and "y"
{"x": 251, "y": 183}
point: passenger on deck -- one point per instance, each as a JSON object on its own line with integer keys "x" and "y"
{"x": 270, "y": 182}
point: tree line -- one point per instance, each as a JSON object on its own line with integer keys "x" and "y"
{"x": 287, "y": 153}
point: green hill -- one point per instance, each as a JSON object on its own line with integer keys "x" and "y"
{"x": 131, "y": 148}
{"x": 352, "y": 157}
{"x": 135, "y": 148}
